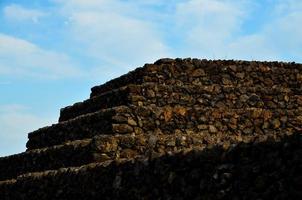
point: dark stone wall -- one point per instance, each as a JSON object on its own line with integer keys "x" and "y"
{"x": 80, "y": 128}
{"x": 165, "y": 107}
{"x": 98, "y": 149}
{"x": 217, "y": 96}
{"x": 71, "y": 154}
{"x": 265, "y": 170}
{"x": 175, "y": 129}
{"x": 172, "y": 119}
{"x": 117, "y": 97}
{"x": 208, "y": 72}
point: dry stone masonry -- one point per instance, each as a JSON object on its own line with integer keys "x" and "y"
{"x": 175, "y": 129}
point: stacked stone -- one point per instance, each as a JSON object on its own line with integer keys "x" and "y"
{"x": 187, "y": 125}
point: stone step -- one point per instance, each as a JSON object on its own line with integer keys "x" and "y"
{"x": 207, "y": 72}
{"x": 213, "y": 96}
{"x": 106, "y": 121}
{"x": 74, "y": 153}
{"x": 267, "y": 170}
{"x": 170, "y": 120}
{"x": 166, "y": 120}
{"x": 98, "y": 149}
{"x": 109, "y": 99}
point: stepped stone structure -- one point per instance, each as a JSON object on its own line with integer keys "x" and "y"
{"x": 175, "y": 129}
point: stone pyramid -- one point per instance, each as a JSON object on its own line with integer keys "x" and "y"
{"x": 174, "y": 129}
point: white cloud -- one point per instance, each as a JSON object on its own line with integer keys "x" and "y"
{"x": 208, "y": 25}
{"x": 18, "y": 13}
{"x": 19, "y": 57}
{"x": 285, "y": 6}
{"x": 215, "y": 29}
{"x": 120, "y": 41}
{"x": 251, "y": 47}
{"x": 5, "y": 83}
{"x": 15, "y": 122}
{"x": 280, "y": 39}
{"x": 285, "y": 32}
{"x": 17, "y": 119}
{"x": 111, "y": 34}
{"x": 120, "y": 35}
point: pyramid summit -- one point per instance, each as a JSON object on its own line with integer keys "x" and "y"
{"x": 174, "y": 129}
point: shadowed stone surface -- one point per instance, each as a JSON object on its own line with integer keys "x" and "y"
{"x": 174, "y": 129}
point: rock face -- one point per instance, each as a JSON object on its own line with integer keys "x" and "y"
{"x": 175, "y": 129}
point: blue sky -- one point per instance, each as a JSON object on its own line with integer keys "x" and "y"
{"x": 52, "y": 52}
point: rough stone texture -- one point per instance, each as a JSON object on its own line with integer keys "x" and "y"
{"x": 208, "y": 72}
{"x": 175, "y": 129}
{"x": 168, "y": 120}
{"x": 117, "y": 97}
{"x": 98, "y": 149}
{"x": 267, "y": 170}
{"x": 207, "y": 96}
{"x": 74, "y": 153}
{"x": 89, "y": 125}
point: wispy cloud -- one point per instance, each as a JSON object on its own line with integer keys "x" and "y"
{"x": 15, "y": 122}
{"x": 17, "y": 119}
{"x": 16, "y": 12}
{"x": 215, "y": 29}
{"x": 5, "y": 83}
{"x": 209, "y": 25}
{"x": 110, "y": 34}
{"x": 280, "y": 39}
{"x": 22, "y": 58}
